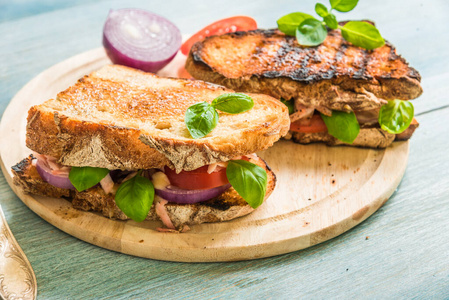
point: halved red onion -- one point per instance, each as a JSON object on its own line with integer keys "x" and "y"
{"x": 140, "y": 39}
{"x": 58, "y": 180}
{"x": 174, "y": 194}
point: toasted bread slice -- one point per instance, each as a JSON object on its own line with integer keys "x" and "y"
{"x": 121, "y": 118}
{"x": 335, "y": 74}
{"x": 225, "y": 207}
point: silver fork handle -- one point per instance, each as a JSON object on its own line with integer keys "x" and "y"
{"x": 17, "y": 279}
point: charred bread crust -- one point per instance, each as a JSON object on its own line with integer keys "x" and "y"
{"x": 305, "y": 74}
{"x": 29, "y": 180}
{"x": 225, "y": 207}
{"x": 77, "y": 137}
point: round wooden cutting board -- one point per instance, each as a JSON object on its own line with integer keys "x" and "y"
{"x": 321, "y": 191}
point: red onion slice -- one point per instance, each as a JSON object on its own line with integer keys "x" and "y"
{"x": 177, "y": 195}
{"x": 61, "y": 180}
{"x": 140, "y": 39}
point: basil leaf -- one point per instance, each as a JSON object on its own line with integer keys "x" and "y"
{"x": 342, "y": 125}
{"x": 321, "y": 10}
{"x": 233, "y": 103}
{"x": 249, "y": 180}
{"x": 396, "y": 116}
{"x": 200, "y": 119}
{"x": 83, "y": 178}
{"x": 134, "y": 197}
{"x": 362, "y": 34}
{"x": 288, "y": 23}
{"x": 343, "y": 5}
{"x": 289, "y": 104}
{"x": 331, "y": 21}
{"x": 311, "y": 32}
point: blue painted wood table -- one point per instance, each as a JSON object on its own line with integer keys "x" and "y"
{"x": 402, "y": 251}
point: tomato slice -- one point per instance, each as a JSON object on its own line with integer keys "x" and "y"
{"x": 316, "y": 125}
{"x": 197, "y": 179}
{"x": 233, "y": 24}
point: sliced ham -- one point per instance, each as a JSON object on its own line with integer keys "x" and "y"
{"x": 107, "y": 184}
{"x": 302, "y": 112}
{"x": 50, "y": 162}
{"x": 213, "y": 167}
{"x": 368, "y": 117}
{"x": 161, "y": 211}
{"x": 223, "y": 165}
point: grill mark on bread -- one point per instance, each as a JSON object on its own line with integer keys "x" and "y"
{"x": 289, "y": 48}
{"x": 360, "y": 65}
{"x": 340, "y": 53}
{"x": 220, "y": 205}
{"x": 380, "y": 71}
{"x": 22, "y": 166}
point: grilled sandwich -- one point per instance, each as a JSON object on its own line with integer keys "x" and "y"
{"x": 334, "y": 76}
{"x": 128, "y": 122}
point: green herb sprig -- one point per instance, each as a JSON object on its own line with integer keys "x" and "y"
{"x": 311, "y": 32}
{"x": 396, "y": 116}
{"x": 135, "y": 196}
{"x": 249, "y": 180}
{"x": 342, "y": 125}
{"x": 202, "y": 118}
{"x": 83, "y": 178}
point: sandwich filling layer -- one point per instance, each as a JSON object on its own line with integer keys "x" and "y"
{"x": 225, "y": 205}
{"x": 307, "y": 126}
